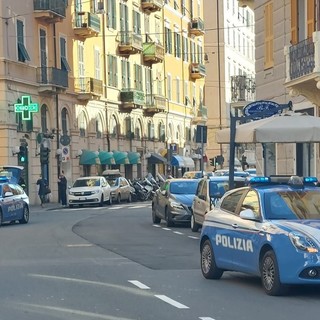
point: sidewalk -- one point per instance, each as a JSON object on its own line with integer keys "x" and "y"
{"x": 47, "y": 207}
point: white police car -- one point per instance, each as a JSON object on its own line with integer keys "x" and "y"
{"x": 270, "y": 228}
{"x": 13, "y": 202}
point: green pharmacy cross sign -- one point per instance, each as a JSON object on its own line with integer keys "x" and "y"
{"x": 26, "y": 107}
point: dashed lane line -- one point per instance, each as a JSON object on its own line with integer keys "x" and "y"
{"x": 172, "y": 302}
{"x": 139, "y": 284}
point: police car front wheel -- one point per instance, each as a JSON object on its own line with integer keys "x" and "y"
{"x": 270, "y": 275}
{"x": 208, "y": 264}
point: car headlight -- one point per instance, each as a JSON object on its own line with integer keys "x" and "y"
{"x": 175, "y": 204}
{"x": 95, "y": 191}
{"x": 302, "y": 242}
{"x": 70, "y": 193}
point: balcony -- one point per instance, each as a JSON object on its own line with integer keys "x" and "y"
{"x": 303, "y": 68}
{"x": 129, "y": 42}
{"x": 197, "y": 70}
{"x": 151, "y": 5}
{"x": 86, "y": 25}
{"x": 201, "y": 116}
{"x": 131, "y": 99}
{"x": 50, "y": 11}
{"x": 88, "y": 89}
{"x": 196, "y": 27}
{"x": 154, "y": 104}
{"x": 153, "y": 52}
{"x": 52, "y": 80}
{"x": 246, "y": 3}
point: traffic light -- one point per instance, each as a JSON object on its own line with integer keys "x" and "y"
{"x": 219, "y": 160}
{"x": 212, "y": 162}
{"x": 23, "y": 154}
{"x": 44, "y": 155}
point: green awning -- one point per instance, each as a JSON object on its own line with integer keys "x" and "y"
{"x": 106, "y": 157}
{"x": 134, "y": 157}
{"x": 88, "y": 157}
{"x": 120, "y": 157}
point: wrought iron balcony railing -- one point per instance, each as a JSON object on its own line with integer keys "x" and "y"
{"x": 51, "y": 10}
{"x": 153, "y": 52}
{"x": 129, "y": 42}
{"x": 86, "y": 24}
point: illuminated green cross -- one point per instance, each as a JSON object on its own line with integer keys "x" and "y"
{"x": 26, "y": 107}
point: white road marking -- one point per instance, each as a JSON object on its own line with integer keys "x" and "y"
{"x": 177, "y": 232}
{"x": 167, "y": 229}
{"x": 79, "y": 245}
{"x": 71, "y": 311}
{"x": 172, "y": 302}
{"x": 156, "y": 226}
{"x": 192, "y": 237}
{"x": 139, "y": 284}
{"x": 206, "y": 318}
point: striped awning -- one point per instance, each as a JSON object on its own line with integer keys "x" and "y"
{"x": 88, "y": 157}
{"x": 120, "y": 157}
{"x": 134, "y": 157}
{"x": 106, "y": 157}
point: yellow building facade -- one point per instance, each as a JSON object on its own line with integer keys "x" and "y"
{"x": 101, "y": 84}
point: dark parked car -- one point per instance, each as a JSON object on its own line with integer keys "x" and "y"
{"x": 172, "y": 202}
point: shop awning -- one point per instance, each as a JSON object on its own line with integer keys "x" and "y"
{"x": 88, "y": 157}
{"x": 156, "y": 158}
{"x": 120, "y": 157}
{"x": 134, "y": 157}
{"x": 106, "y": 157}
{"x": 184, "y": 162}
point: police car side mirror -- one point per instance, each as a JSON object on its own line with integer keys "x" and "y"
{"x": 8, "y": 194}
{"x": 247, "y": 214}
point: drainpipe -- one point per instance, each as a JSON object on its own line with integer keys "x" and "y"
{"x": 56, "y": 100}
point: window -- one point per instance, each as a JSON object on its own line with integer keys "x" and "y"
{"x": 129, "y": 131}
{"x": 268, "y": 39}
{"x": 193, "y": 52}
{"x": 63, "y": 56}
{"x": 178, "y": 90}
{"x": 169, "y": 87}
{"x": 99, "y": 128}
{"x": 230, "y": 202}
{"x": 112, "y": 71}
{"x": 97, "y": 70}
{"x": 150, "y": 130}
{"x": 138, "y": 77}
{"x": 168, "y": 39}
{"x": 44, "y": 125}
{"x": 177, "y": 44}
{"x": 82, "y": 125}
{"x": 251, "y": 201}
{"x": 22, "y": 51}
{"x": 125, "y": 69}
{"x": 162, "y": 134}
{"x": 136, "y": 22}
{"x": 157, "y": 30}
{"x": 185, "y": 49}
{"x": 111, "y": 12}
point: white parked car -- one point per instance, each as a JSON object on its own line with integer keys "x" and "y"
{"x": 94, "y": 190}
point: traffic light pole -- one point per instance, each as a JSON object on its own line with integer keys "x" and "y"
{"x": 202, "y": 146}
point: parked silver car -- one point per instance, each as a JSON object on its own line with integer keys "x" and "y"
{"x": 209, "y": 191}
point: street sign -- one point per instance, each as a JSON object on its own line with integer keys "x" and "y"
{"x": 255, "y": 109}
{"x": 201, "y": 134}
{"x": 26, "y": 107}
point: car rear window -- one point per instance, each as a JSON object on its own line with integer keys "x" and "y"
{"x": 184, "y": 187}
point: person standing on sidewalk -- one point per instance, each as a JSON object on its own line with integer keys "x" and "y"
{"x": 42, "y": 192}
{"x": 62, "y": 189}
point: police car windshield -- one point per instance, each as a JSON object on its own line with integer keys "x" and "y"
{"x": 184, "y": 187}
{"x": 292, "y": 205}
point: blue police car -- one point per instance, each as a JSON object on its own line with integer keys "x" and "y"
{"x": 270, "y": 228}
{"x": 13, "y": 202}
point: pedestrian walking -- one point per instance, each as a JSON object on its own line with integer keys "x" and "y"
{"x": 42, "y": 191}
{"x": 62, "y": 189}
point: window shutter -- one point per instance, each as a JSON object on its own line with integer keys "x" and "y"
{"x": 268, "y": 41}
{"x": 310, "y": 17}
{"x": 294, "y": 21}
